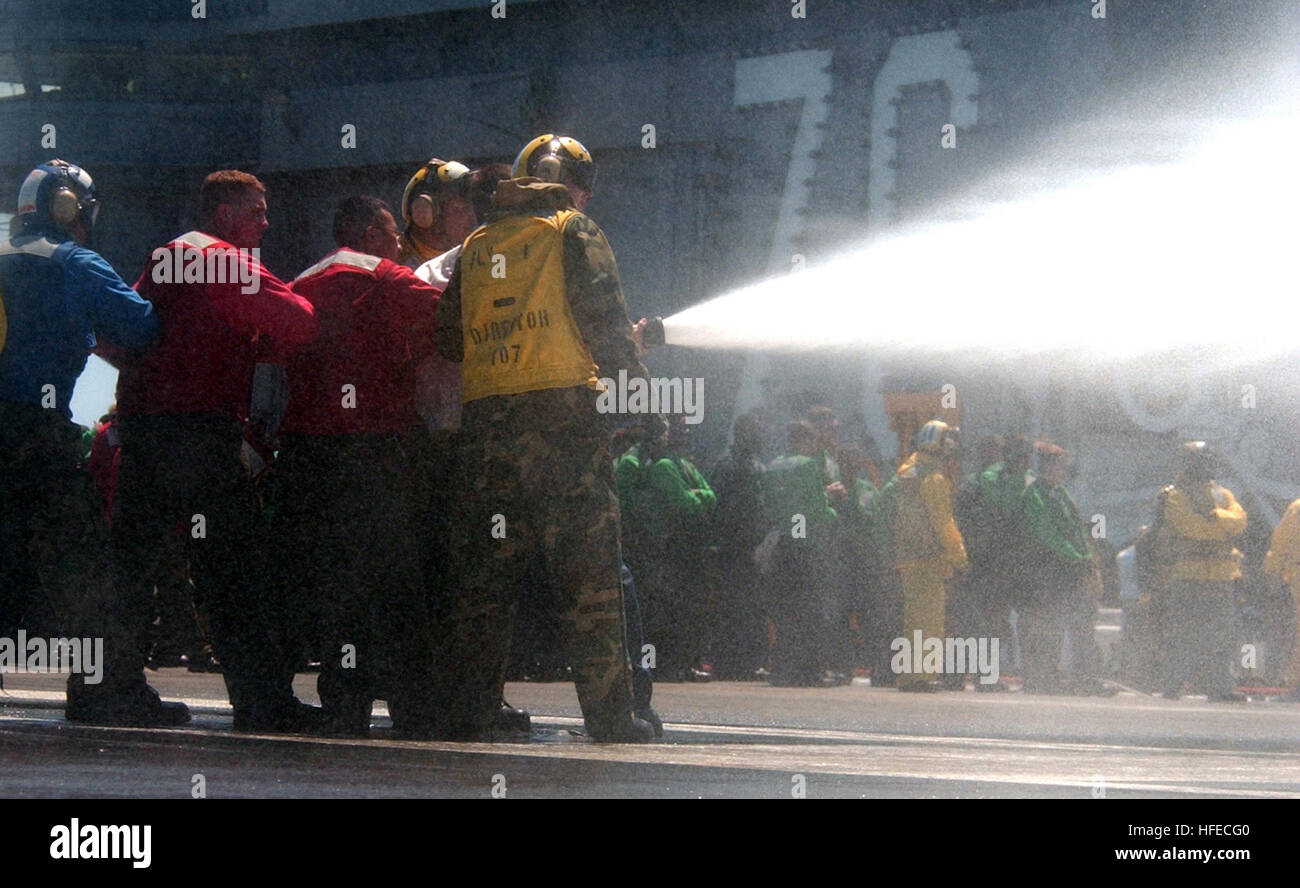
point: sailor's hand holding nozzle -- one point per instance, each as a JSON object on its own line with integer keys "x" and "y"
{"x": 638, "y": 336}
{"x": 648, "y": 332}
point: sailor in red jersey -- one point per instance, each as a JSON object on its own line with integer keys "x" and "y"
{"x": 376, "y": 318}
{"x": 343, "y": 520}
{"x": 182, "y": 406}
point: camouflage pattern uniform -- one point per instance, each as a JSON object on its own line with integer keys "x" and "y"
{"x": 539, "y": 461}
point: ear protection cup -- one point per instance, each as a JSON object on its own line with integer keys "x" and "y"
{"x": 558, "y": 159}
{"x": 64, "y": 207}
{"x": 433, "y": 181}
{"x": 422, "y": 211}
{"x": 57, "y": 193}
{"x": 549, "y": 168}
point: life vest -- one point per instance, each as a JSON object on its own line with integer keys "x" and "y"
{"x": 38, "y": 246}
{"x": 518, "y": 329}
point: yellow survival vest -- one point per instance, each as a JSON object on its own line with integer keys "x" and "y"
{"x": 519, "y": 332}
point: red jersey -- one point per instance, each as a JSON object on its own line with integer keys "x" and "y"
{"x": 222, "y": 312}
{"x": 376, "y": 323}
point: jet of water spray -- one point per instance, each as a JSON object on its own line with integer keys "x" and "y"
{"x": 1117, "y": 265}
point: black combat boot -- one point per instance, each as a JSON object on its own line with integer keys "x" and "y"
{"x": 633, "y": 730}
{"x": 133, "y": 705}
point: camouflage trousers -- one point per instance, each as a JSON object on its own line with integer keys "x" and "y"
{"x": 539, "y": 485}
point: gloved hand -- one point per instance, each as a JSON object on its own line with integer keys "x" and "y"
{"x": 638, "y": 336}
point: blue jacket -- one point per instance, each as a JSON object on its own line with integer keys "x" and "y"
{"x": 54, "y": 296}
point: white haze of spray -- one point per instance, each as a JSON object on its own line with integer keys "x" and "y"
{"x": 1133, "y": 261}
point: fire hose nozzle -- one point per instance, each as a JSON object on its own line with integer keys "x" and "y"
{"x": 654, "y": 332}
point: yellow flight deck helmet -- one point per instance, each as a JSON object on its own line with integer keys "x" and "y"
{"x": 434, "y": 178}
{"x": 553, "y": 158}
{"x": 937, "y": 436}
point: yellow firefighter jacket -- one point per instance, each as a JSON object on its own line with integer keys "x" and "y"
{"x": 1198, "y": 545}
{"x": 924, "y": 529}
{"x": 1283, "y": 559}
{"x": 518, "y": 330}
